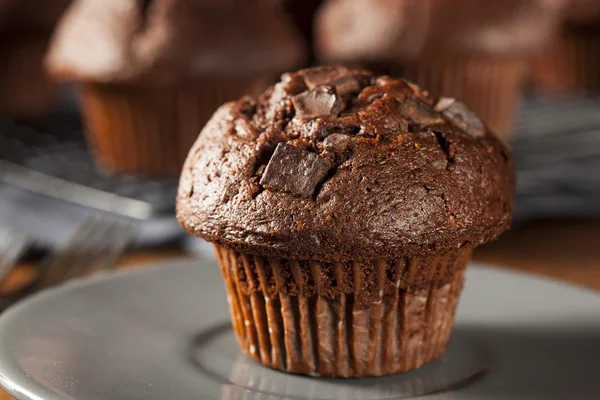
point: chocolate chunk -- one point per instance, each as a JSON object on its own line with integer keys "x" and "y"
{"x": 346, "y": 85}
{"x": 384, "y": 81}
{"x": 325, "y": 74}
{"x": 295, "y": 171}
{"x": 458, "y": 114}
{"x": 319, "y": 102}
{"x": 419, "y": 112}
{"x": 292, "y": 84}
{"x": 443, "y": 103}
{"x": 416, "y": 89}
{"x": 336, "y": 142}
{"x": 370, "y": 94}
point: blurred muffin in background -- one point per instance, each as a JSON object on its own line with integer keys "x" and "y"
{"x": 470, "y": 49}
{"x": 151, "y": 73}
{"x": 26, "y": 91}
{"x": 572, "y": 63}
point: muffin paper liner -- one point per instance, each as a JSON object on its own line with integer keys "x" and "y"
{"x": 26, "y": 91}
{"x": 570, "y": 65}
{"x": 148, "y": 130}
{"x": 348, "y": 319}
{"x": 489, "y": 86}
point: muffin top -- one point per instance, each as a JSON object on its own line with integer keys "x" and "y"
{"x": 24, "y": 16}
{"x": 583, "y": 12}
{"x": 333, "y": 164}
{"x": 164, "y": 40}
{"x": 393, "y": 29}
{"x": 371, "y": 30}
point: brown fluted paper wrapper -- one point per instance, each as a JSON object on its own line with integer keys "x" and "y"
{"x": 26, "y": 91}
{"x": 148, "y": 130}
{"x": 570, "y": 65}
{"x": 343, "y": 319}
{"x": 491, "y": 87}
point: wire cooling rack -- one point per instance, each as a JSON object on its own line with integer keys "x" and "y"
{"x": 47, "y": 174}
{"x": 49, "y": 183}
{"x": 557, "y": 152}
{"x": 54, "y": 160}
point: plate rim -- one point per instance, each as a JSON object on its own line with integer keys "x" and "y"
{"x": 14, "y": 388}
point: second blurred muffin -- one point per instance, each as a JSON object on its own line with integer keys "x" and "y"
{"x": 470, "y": 49}
{"x": 152, "y": 72}
{"x": 572, "y": 63}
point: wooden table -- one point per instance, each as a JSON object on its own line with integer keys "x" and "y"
{"x": 566, "y": 250}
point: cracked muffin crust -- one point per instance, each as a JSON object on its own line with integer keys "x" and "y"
{"x": 333, "y": 164}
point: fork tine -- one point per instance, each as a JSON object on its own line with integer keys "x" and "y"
{"x": 66, "y": 258}
{"x": 107, "y": 250}
{"x": 95, "y": 242}
{"x": 123, "y": 237}
{"x": 82, "y": 258}
{"x": 78, "y": 252}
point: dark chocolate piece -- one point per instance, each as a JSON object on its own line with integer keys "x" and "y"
{"x": 314, "y": 77}
{"x": 320, "y": 102}
{"x": 293, "y": 84}
{"x": 419, "y": 112}
{"x": 293, "y": 170}
{"x": 443, "y": 103}
{"x": 346, "y": 85}
{"x": 336, "y": 142}
{"x": 458, "y": 114}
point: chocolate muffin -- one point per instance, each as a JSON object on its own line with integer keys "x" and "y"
{"x": 571, "y": 65}
{"x": 343, "y": 208}
{"x": 474, "y": 50}
{"x": 153, "y": 72}
{"x": 26, "y": 91}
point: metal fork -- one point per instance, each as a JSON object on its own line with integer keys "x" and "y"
{"x": 96, "y": 245}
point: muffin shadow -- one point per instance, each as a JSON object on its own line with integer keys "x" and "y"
{"x": 538, "y": 363}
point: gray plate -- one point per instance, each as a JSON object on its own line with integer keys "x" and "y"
{"x": 163, "y": 333}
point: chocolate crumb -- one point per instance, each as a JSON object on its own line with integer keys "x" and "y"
{"x": 294, "y": 170}
{"x": 458, "y": 114}
{"x": 320, "y": 102}
{"x": 260, "y": 171}
{"x": 442, "y": 163}
{"x": 336, "y": 142}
